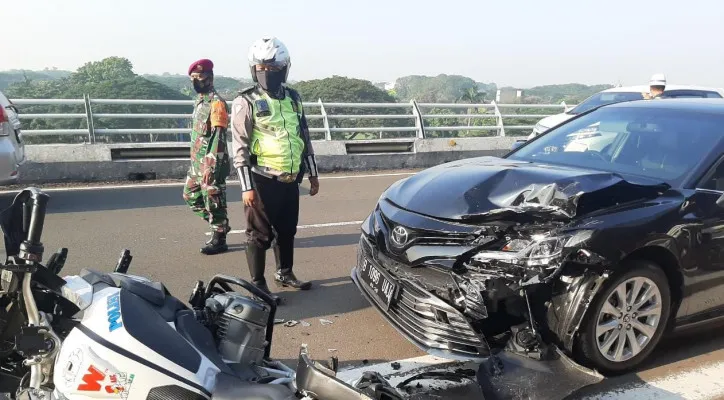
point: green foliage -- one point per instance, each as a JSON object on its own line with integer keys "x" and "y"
{"x": 111, "y": 78}
{"x": 114, "y": 78}
{"x": 338, "y": 89}
{"x": 439, "y": 89}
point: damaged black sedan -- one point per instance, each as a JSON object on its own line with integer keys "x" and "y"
{"x": 592, "y": 239}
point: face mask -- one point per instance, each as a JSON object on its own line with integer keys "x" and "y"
{"x": 202, "y": 86}
{"x": 271, "y": 81}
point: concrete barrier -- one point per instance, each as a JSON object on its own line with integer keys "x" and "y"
{"x": 100, "y": 162}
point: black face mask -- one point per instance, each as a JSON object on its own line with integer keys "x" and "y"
{"x": 271, "y": 81}
{"x": 202, "y": 86}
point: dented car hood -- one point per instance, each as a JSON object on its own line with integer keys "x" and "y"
{"x": 489, "y": 188}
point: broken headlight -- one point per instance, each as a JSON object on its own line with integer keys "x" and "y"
{"x": 534, "y": 251}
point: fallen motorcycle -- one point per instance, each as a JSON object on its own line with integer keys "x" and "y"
{"x": 110, "y": 335}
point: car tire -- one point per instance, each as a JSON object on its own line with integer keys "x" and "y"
{"x": 602, "y": 332}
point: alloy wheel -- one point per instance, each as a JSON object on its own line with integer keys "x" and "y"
{"x": 628, "y": 319}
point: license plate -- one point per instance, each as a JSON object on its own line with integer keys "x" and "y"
{"x": 379, "y": 282}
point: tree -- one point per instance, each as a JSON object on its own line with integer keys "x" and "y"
{"x": 108, "y": 69}
{"x": 340, "y": 89}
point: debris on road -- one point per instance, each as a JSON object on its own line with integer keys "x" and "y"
{"x": 291, "y": 323}
{"x": 278, "y": 321}
{"x": 305, "y": 323}
{"x": 325, "y": 321}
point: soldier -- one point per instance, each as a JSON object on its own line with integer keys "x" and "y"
{"x": 270, "y": 143}
{"x": 205, "y": 189}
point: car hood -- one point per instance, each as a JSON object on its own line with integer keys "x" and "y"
{"x": 490, "y": 188}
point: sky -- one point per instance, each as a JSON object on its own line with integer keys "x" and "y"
{"x": 508, "y": 42}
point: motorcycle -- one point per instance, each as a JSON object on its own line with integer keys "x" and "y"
{"x": 118, "y": 335}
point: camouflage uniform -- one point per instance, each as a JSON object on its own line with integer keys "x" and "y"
{"x": 205, "y": 189}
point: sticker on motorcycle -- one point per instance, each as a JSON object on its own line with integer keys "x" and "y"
{"x": 96, "y": 380}
{"x": 114, "y": 312}
{"x": 72, "y": 366}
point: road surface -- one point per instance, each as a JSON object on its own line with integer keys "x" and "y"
{"x": 97, "y": 223}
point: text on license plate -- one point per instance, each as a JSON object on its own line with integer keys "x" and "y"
{"x": 382, "y": 286}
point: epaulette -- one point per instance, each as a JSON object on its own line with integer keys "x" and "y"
{"x": 247, "y": 90}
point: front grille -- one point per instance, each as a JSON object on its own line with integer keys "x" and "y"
{"x": 426, "y": 320}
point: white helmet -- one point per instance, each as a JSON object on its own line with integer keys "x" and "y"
{"x": 269, "y": 51}
{"x": 657, "y": 80}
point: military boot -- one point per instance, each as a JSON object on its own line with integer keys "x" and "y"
{"x": 256, "y": 258}
{"x": 217, "y": 244}
{"x": 284, "y": 254}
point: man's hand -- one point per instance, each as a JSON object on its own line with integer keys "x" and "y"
{"x": 249, "y": 198}
{"x": 314, "y": 181}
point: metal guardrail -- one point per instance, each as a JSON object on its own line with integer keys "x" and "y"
{"x": 413, "y": 112}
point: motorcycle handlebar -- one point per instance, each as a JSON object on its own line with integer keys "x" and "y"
{"x": 34, "y": 216}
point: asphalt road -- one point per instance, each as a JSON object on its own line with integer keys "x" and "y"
{"x": 164, "y": 237}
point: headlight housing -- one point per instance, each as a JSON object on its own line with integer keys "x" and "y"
{"x": 535, "y": 251}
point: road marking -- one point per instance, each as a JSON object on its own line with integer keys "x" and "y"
{"x": 324, "y": 225}
{"x": 179, "y": 184}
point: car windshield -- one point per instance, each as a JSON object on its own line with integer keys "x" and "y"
{"x": 661, "y": 144}
{"x": 604, "y": 98}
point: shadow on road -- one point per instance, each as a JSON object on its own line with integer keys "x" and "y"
{"x": 346, "y": 239}
{"x": 126, "y": 199}
{"x": 334, "y": 296}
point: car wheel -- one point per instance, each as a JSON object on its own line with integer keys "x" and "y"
{"x": 626, "y": 319}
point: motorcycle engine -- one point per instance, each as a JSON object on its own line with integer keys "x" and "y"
{"x": 241, "y": 331}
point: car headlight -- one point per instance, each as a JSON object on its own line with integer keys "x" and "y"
{"x": 538, "y": 250}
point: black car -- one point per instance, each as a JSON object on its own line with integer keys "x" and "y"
{"x": 594, "y": 238}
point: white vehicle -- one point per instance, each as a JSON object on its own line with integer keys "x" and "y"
{"x": 621, "y": 94}
{"x": 12, "y": 148}
{"x": 100, "y": 335}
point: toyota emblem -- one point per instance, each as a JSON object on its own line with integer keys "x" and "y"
{"x": 399, "y": 236}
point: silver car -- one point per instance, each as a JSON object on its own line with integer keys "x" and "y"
{"x": 12, "y": 148}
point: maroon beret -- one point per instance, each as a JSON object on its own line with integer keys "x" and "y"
{"x": 203, "y": 65}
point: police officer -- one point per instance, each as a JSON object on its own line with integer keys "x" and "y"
{"x": 657, "y": 85}
{"x": 205, "y": 189}
{"x": 271, "y": 148}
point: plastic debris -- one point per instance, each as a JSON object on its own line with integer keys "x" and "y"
{"x": 278, "y": 320}
{"x": 291, "y": 322}
{"x": 325, "y": 322}
{"x": 305, "y": 323}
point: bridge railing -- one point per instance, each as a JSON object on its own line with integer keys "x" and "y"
{"x": 423, "y": 120}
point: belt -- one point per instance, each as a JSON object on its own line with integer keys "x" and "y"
{"x": 284, "y": 177}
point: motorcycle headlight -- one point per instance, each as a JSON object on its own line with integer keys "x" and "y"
{"x": 538, "y": 250}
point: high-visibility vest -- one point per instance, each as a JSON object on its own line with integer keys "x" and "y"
{"x": 276, "y": 138}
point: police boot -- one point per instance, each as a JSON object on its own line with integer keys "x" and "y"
{"x": 284, "y": 254}
{"x": 256, "y": 258}
{"x": 217, "y": 244}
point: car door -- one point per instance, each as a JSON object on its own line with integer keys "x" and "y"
{"x": 705, "y": 277}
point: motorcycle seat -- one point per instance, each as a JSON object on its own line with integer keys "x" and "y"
{"x": 153, "y": 292}
{"x": 230, "y": 387}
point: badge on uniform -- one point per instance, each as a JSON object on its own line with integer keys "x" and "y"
{"x": 262, "y": 108}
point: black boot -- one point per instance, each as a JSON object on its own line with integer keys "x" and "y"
{"x": 256, "y": 258}
{"x": 217, "y": 244}
{"x": 284, "y": 255}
